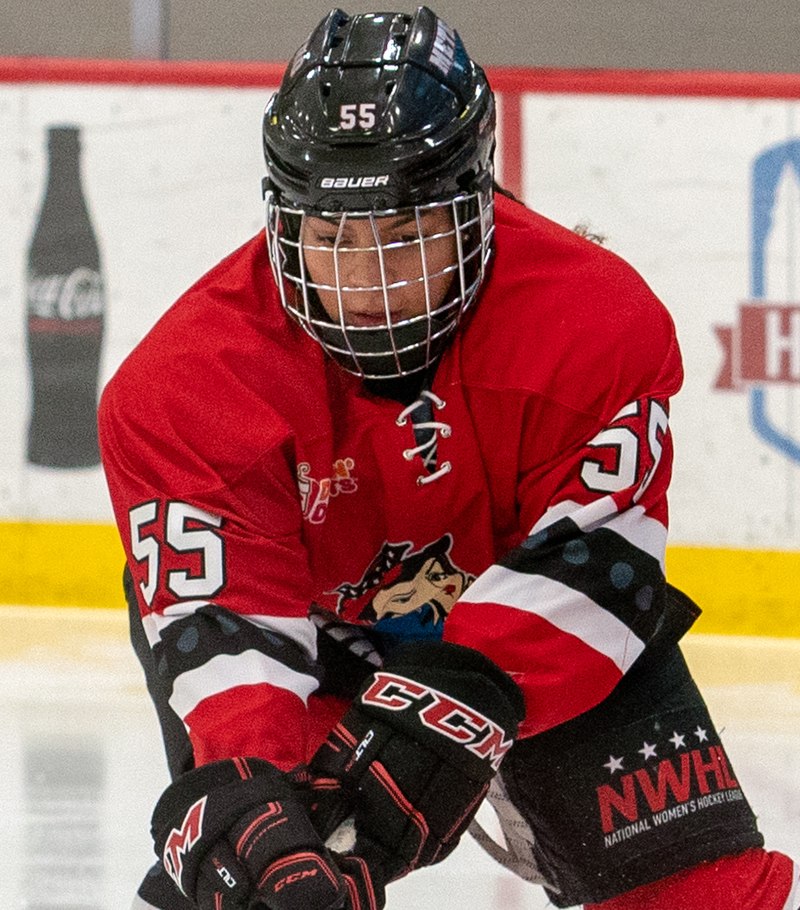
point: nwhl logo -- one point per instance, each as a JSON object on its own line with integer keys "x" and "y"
{"x": 662, "y": 791}
{"x": 181, "y": 840}
{"x": 440, "y": 713}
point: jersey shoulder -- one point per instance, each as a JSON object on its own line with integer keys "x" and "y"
{"x": 564, "y": 317}
{"x": 214, "y": 376}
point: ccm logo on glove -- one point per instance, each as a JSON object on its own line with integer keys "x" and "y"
{"x": 181, "y": 841}
{"x": 293, "y": 879}
{"x": 441, "y": 713}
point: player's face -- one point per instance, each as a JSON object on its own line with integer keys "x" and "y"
{"x": 370, "y": 271}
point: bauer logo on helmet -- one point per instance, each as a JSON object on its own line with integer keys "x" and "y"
{"x": 353, "y": 183}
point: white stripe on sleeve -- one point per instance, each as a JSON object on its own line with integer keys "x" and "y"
{"x": 225, "y": 671}
{"x": 300, "y": 630}
{"x": 155, "y": 623}
{"x": 562, "y": 606}
{"x": 648, "y": 534}
{"x": 643, "y": 532}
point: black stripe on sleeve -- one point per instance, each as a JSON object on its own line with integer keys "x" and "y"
{"x": 192, "y": 641}
{"x": 600, "y": 564}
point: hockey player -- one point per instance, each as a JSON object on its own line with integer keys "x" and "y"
{"x": 392, "y": 486}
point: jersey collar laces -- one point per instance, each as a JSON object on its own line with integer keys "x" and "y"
{"x": 426, "y": 434}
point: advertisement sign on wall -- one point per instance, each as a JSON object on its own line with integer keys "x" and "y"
{"x": 762, "y": 348}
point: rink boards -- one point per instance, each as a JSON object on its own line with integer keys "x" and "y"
{"x": 742, "y": 592}
{"x": 694, "y": 178}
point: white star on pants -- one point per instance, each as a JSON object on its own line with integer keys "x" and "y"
{"x": 648, "y": 751}
{"x": 613, "y": 764}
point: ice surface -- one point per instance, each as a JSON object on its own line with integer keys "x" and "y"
{"x": 82, "y": 764}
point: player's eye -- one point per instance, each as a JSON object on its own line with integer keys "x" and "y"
{"x": 321, "y": 238}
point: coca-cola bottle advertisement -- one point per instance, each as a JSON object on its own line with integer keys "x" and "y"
{"x": 65, "y": 313}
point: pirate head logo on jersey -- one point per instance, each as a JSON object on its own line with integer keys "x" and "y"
{"x": 406, "y": 593}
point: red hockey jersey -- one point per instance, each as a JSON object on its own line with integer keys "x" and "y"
{"x": 518, "y": 507}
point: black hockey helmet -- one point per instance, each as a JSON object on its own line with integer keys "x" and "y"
{"x": 379, "y": 113}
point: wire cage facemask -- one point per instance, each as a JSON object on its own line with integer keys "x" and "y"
{"x": 381, "y": 291}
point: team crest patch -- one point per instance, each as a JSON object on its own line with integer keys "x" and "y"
{"x": 316, "y": 494}
{"x": 406, "y": 593}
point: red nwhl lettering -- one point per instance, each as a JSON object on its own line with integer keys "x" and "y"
{"x": 730, "y": 781}
{"x": 695, "y": 772}
{"x": 717, "y": 766}
{"x": 624, "y": 803}
{"x": 668, "y": 781}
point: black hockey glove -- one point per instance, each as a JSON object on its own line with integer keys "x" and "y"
{"x": 235, "y": 834}
{"x": 413, "y": 757}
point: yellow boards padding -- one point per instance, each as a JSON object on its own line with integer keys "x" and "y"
{"x": 741, "y": 592}
{"x": 61, "y": 564}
